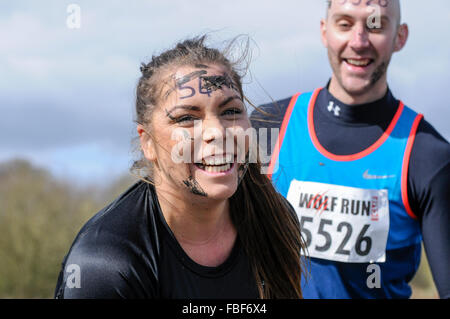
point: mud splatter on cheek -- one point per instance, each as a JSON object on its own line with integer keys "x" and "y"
{"x": 193, "y": 186}
{"x": 378, "y": 73}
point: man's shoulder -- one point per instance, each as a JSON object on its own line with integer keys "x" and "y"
{"x": 430, "y": 148}
{"x": 270, "y": 114}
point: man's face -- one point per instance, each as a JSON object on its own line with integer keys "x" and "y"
{"x": 361, "y": 39}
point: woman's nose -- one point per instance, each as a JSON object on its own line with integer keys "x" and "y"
{"x": 213, "y": 129}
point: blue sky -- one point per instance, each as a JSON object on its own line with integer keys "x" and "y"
{"x": 66, "y": 95}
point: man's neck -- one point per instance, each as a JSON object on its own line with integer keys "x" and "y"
{"x": 371, "y": 95}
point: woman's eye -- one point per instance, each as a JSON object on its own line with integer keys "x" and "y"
{"x": 184, "y": 119}
{"x": 233, "y": 111}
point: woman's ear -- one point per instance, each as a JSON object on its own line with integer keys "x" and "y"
{"x": 147, "y": 143}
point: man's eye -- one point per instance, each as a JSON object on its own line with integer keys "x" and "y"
{"x": 344, "y": 25}
{"x": 376, "y": 29}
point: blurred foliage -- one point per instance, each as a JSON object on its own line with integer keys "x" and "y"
{"x": 422, "y": 283}
{"x": 40, "y": 217}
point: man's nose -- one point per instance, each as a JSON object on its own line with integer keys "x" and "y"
{"x": 359, "y": 38}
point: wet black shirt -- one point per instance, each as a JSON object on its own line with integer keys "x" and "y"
{"x": 127, "y": 250}
{"x": 359, "y": 126}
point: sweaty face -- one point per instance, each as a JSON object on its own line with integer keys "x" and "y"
{"x": 360, "y": 39}
{"x": 193, "y": 124}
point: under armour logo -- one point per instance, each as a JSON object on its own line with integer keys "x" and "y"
{"x": 335, "y": 109}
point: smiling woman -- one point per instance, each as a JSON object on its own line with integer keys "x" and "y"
{"x": 211, "y": 227}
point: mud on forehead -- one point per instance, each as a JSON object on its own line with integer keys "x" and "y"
{"x": 207, "y": 82}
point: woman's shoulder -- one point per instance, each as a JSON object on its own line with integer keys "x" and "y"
{"x": 119, "y": 217}
{"x": 115, "y": 248}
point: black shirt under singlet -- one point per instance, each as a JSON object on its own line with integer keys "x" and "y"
{"x": 359, "y": 126}
{"x": 127, "y": 250}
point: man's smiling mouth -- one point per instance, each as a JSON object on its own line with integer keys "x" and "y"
{"x": 359, "y": 62}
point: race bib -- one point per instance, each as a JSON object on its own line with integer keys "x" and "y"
{"x": 341, "y": 223}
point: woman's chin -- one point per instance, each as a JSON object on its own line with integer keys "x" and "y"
{"x": 218, "y": 191}
{"x": 217, "y": 185}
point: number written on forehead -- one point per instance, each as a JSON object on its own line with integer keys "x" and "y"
{"x": 189, "y": 91}
{"x": 206, "y": 84}
{"x": 381, "y": 3}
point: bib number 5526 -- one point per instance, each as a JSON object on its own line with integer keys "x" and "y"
{"x": 362, "y": 245}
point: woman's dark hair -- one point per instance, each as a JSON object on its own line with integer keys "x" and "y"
{"x": 266, "y": 226}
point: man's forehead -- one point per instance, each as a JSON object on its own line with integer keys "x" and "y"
{"x": 389, "y": 8}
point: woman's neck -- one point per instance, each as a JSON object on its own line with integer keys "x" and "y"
{"x": 202, "y": 228}
{"x": 195, "y": 221}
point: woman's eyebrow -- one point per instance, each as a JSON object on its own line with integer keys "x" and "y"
{"x": 196, "y": 108}
{"x": 183, "y": 106}
{"x": 228, "y": 100}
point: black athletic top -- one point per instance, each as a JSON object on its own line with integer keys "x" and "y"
{"x": 127, "y": 250}
{"x": 358, "y": 127}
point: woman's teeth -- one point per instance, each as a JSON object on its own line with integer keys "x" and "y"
{"x": 214, "y": 168}
{"x": 216, "y": 160}
{"x": 216, "y": 164}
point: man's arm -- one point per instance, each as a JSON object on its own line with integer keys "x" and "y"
{"x": 429, "y": 194}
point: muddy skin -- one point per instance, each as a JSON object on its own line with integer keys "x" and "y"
{"x": 378, "y": 73}
{"x": 194, "y": 187}
{"x": 216, "y": 82}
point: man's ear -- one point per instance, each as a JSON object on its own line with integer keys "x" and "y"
{"x": 323, "y": 32}
{"x": 402, "y": 37}
{"x": 147, "y": 143}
